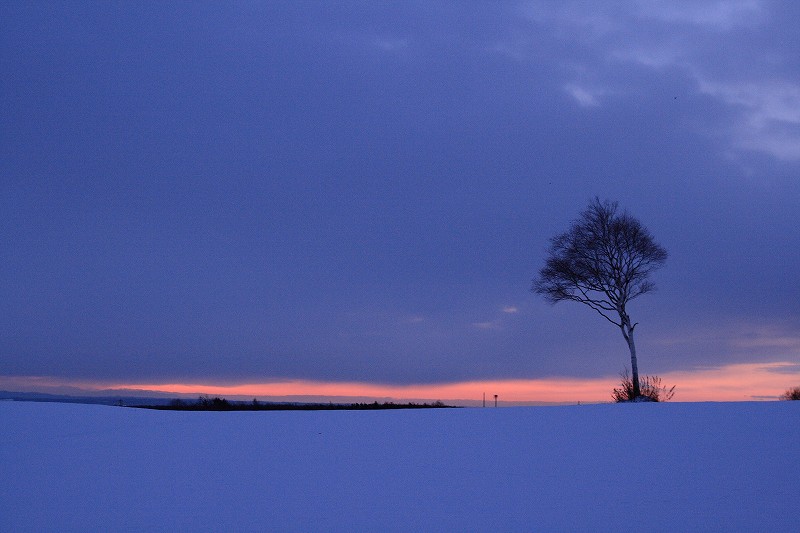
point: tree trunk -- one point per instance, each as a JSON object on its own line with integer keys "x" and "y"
{"x": 634, "y": 366}
{"x": 627, "y": 332}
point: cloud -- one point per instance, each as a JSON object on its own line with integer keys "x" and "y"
{"x": 510, "y": 309}
{"x": 654, "y": 56}
{"x": 722, "y": 15}
{"x": 768, "y": 339}
{"x": 768, "y": 118}
{"x": 735, "y": 341}
{"x": 488, "y": 325}
{"x": 785, "y": 368}
{"x": 584, "y": 97}
{"x": 603, "y": 41}
{"x": 599, "y": 19}
{"x": 591, "y": 20}
{"x": 389, "y": 44}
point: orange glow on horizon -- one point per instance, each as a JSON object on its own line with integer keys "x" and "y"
{"x": 508, "y": 390}
{"x": 738, "y": 382}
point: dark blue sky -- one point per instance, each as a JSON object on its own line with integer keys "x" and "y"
{"x": 362, "y": 191}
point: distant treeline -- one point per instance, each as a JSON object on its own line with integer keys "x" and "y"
{"x": 205, "y": 403}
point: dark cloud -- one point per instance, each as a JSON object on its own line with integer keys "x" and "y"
{"x": 362, "y": 191}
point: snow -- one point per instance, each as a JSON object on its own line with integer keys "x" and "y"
{"x": 669, "y": 467}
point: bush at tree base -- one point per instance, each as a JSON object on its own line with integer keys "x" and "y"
{"x": 650, "y": 387}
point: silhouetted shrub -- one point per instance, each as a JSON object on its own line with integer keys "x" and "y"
{"x": 791, "y": 394}
{"x": 207, "y": 403}
{"x": 216, "y": 403}
{"x": 650, "y": 387}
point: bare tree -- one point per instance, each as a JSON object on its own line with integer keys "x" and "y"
{"x": 791, "y": 394}
{"x": 604, "y": 261}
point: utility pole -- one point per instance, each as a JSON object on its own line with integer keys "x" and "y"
{"x": 495, "y": 400}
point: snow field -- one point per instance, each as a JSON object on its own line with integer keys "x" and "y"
{"x": 670, "y": 467}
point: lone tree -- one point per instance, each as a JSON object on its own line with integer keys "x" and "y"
{"x": 604, "y": 261}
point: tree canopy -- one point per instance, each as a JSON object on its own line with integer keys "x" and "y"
{"x": 604, "y": 261}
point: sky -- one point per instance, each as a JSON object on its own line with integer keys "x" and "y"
{"x": 339, "y": 197}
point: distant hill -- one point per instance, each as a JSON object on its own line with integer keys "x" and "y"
{"x": 96, "y": 400}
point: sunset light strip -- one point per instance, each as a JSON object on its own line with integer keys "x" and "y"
{"x": 737, "y": 382}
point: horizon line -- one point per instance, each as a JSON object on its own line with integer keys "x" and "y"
{"x": 734, "y": 382}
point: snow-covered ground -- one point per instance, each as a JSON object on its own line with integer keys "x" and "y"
{"x": 603, "y": 468}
